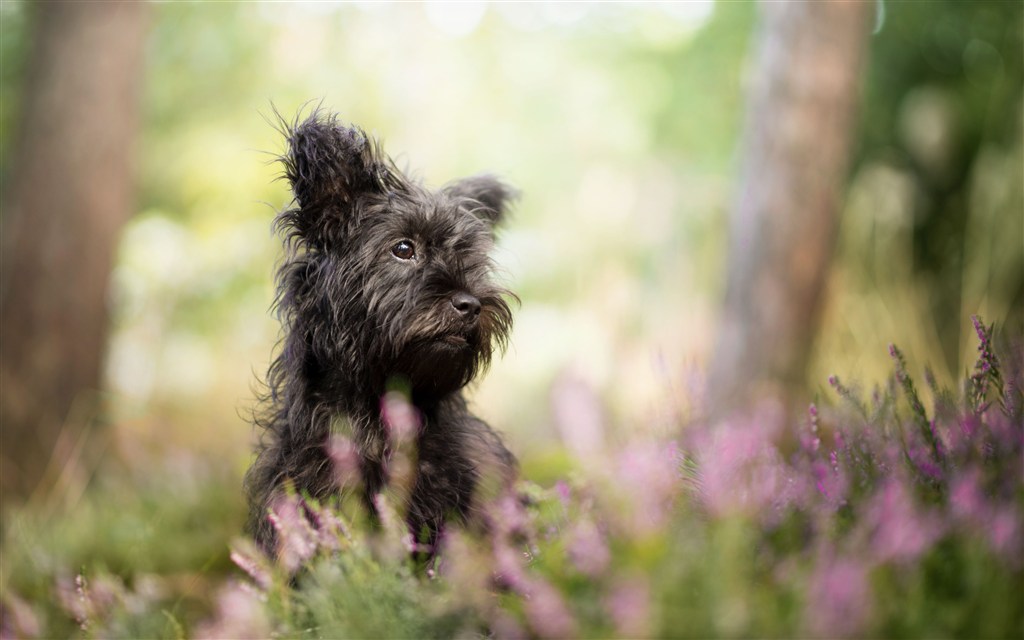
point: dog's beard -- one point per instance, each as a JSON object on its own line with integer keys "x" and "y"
{"x": 439, "y": 365}
{"x": 437, "y": 353}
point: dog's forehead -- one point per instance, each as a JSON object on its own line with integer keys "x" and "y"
{"x": 439, "y": 220}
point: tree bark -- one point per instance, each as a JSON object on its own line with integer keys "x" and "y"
{"x": 802, "y": 107}
{"x": 72, "y": 190}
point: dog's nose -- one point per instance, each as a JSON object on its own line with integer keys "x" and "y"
{"x": 467, "y": 306}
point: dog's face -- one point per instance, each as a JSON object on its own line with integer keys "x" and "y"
{"x": 403, "y": 272}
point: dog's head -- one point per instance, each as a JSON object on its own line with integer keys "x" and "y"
{"x": 400, "y": 275}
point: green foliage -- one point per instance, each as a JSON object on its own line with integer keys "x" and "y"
{"x": 873, "y": 526}
{"x": 942, "y": 110}
{"x": 352, "y": 596}
{"x": 163, "y": 536}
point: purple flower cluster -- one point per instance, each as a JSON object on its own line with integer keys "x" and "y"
{"x": 881, "y": 486}
{"x": 835, "y": 505}
{"x": 986, "y": 369}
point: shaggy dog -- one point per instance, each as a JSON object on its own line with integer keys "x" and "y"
{"x": 385, "y": 283}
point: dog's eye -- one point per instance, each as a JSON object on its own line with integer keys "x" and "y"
{"x": 404, "y": 250}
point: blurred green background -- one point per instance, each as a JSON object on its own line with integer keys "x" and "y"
{"x": 619, "y": 123}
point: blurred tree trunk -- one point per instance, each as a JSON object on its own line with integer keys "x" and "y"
{"x": 802, "y": 106}
{"x": 72, "y": 190}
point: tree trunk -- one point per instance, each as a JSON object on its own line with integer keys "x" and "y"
{"x": 72, "y": 190}
{"x": 802, "y": 107}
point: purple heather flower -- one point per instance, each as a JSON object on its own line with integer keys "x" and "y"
{"x": 19, "y": 620}
{"x": 900, "y": 533}
{"x": 979, "y": 328}
{"x": 508, "y": 565}
{"x": 239, "y": 614}
{"x": 741, "y": 469}
{"x": 252, "y": 563}
{"x": 941, "y": 448}
{"x": 344, "y": 456}
{"x": 563, "y": 492}
{"x": 838, "y": 598}
{"x": 330, "y": 528}
{"x": 397, "y": 541}
{"x": 1007, "y": 434}
{"x": 400, "y": 417}
{"x": 646, "y": 479}
{"x": 813, "y": 441}
{"x": 587, "y": 548}
{"x": 546, "y": 611}
{"x": 831, "y": 482}
{"x": 296, "y": 539}
{"x": 922, "y": 458}
{"x": 969, "y": 425}
{"x": 508, "y": 517}
{"x": 89, "y": 602}
{"x": 73, "y": 600}
{"x": 810, "y": 443}
{"x": 747, "y": 474}
{"x": 1005, "y": 535}
{"x": 966, "y": 500}
{"x": 578, "y": 416}
{"x": 629, "y": 605}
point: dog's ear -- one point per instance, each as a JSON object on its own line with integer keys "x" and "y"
{"x": 330, "y": 165}
{"x": 487, "y": 197}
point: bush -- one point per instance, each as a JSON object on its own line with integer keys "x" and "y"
{"x": 867, "y": 518}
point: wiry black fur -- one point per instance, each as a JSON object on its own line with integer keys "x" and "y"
{"x": 355, "y": 316}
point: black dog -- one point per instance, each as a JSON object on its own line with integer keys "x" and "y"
{"x": 384, "y": 281}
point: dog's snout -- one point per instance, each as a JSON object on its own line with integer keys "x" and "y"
{"x": 466, "y": 305}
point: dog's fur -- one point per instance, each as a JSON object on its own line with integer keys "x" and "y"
{"x": 357, "y": 317}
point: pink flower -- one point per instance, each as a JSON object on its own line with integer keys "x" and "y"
{"x": 508, "y": 517}
{"x": 546, "y": 612}
{"x": 1005, "y": 534}
{"x": 296, "y": 539}
{"x": 397, "y": 541}
{"x": 838, "y": 598}
{"x": 400, "y": 417}
{"x": 900, "y": 532}
{"x": 564, "y": 493}
{"x": 240, "y": 614}
{"x": 966, "y": 499}
{"x": 741, "y": 470}
{"x": 89, "y": 602}
{"x": 831, "y": 482}
{"x": 17, "y": 619}
{"x": 252, "y": 562}
{"x": 587, "y": 549}
{"x": 645, "y": 479}
{"x": 924, "y": 461}
{"x": 629, "y": 604}
{"x": 344, "y": 456}
{"x": 509, "y": 567}
{"x": 330, "y": 528}
{"x": 578, "y": 416}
